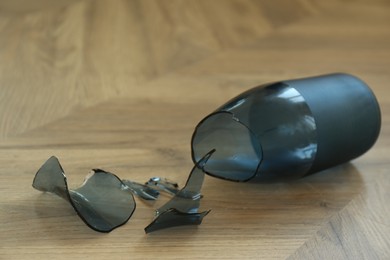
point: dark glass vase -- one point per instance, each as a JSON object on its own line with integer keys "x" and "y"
{"x": 289, "y": 129}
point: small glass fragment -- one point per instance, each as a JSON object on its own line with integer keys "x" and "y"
{"x": 163, "y": 185}
{"x": 103, "y": 202}
{"x": 183, "y": 208}
{"x": 141, "y": 190}
{"x": 172, "y": 217}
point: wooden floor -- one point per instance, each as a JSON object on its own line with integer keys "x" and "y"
{"x": 120, "y": 85}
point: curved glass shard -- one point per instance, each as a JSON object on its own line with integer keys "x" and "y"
{"x": 183, "y": 208}
{"x": 103, "y": 201}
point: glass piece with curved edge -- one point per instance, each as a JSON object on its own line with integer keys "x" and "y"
{"x": 289, "y": 129}
{"x": 172, "y": 218}
{"x": 163, "y": 184}
{"x": 103, "y": 202}
{"x": 183, "y": 208}
{"x": 142, "y": 190}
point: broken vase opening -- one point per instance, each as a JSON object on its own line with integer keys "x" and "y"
{"x": 289, "y": 129}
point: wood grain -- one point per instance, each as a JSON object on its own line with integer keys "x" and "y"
{"x": 120, "y": 85}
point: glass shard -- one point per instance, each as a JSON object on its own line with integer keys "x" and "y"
{"x": 183, "y": 208}
{"x": 163, "y": 184}
{"x": 141, "y": 190}
{"x": 172, "y": 217}
{"x": 103, "y": 201}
